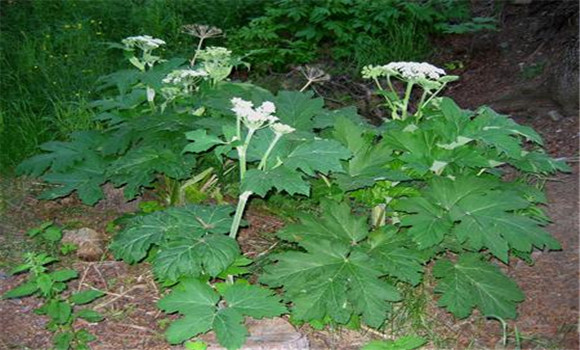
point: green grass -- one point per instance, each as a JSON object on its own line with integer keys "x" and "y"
{"x": 52, "y": 53}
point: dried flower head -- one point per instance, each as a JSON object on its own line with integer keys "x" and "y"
{"x": 144, "y": 42}
{"x": 314, "y": 74}
{"x": 201, "y": 31}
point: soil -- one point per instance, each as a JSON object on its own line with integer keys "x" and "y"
{"x": 511, "y": 70}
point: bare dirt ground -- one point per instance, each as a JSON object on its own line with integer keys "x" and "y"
{"x": 514, "y": 70}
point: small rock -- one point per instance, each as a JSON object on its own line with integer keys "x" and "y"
{"x": 266, "y": 334}
{"x": 555, "y": 115}
{"x": 90, "y": 243}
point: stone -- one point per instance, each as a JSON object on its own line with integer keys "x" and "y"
{"x": 266, "y": 334}
{"x": 90, "y": 243}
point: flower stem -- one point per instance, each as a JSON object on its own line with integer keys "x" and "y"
{"x": 192, "y": 62}
{"x": 242, "y": 200}
{"x": 406, "y": 100}
{"x": 305, "y": 86}
{"x": 262, "y": 164}
{"x": 242, "y": 153}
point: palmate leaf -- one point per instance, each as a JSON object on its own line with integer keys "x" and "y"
{"x": 283, "y": 179}
{"x": 134, "y": 241}
{"x": 369, "y": 160}
{"x": 186, "y": 254}
{"x": 317, "y": 155}
{"x": 198, "y": 302}
{"x": 396, "y": 255}
{"x": 335, "y": 277}
{"x": 336, "y": 224}
{"x": 500, "y": 132}
{"x": 471, "y": 282}
{"x": 477, "y": 214}
{"x": 85, "y": 177}
{"x": 298, "y": 108}
{"x": 139, "y": 166}
{"x": 63, "y": 155}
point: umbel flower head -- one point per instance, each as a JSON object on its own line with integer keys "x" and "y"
{"x": 201, "y": 31}
{"x": 143, "y": 42}
{"x": 404, "y": 70}
{"x": 184, "y": 76}
{"x": 252, "y": 118}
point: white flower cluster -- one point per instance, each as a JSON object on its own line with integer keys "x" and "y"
{"x": 415, "y": 70}
{"x": 406, "y": 70}
{"x": 255, "y": 118}
{"x": 144, "y": 42}
{"x": 214, "y": 53}
{"x": 184, "y": 76}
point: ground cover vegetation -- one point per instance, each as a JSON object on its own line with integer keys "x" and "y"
{"x": 45, "y": 97}
{"x": 423, "y": 188}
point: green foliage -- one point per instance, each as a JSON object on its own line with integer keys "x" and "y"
{"x": 291, "y": 32}
{"x": 341, "y": 273}
{"x": 431, "y": 178}
{"x": 190, "y": 241}
{"x": 46, "y": 78}
{"x": 471, "y": 282}
{"x": 221, "y": 310}
{"x": 478, "y": 213}
{"x": 62, "y": 311}
{"x": 409, "y": 342}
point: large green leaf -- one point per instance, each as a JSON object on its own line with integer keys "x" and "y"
{"x": 85, "y": 177}
{"x": 500, "y": 132}
{"x": 369, "y": 160}
{"x": 187, "y": 254}
{"x": 477, "y": 213}
{"x": 396, "y": 255}
{"x": 335, "y": 277}
{"x": 298, "y": 108}
{"x": 139, "y": 166}
{"x": 63, "y": 155}
{"x": 198, "y": 302}
{"x": 282, "y": 178}
{"x": 253, "y": 301}
{"x": 135, "y": 240}
{"x": 471, "y": 282}
{"x": 336, "y": 223}
{"x": 317, "y": 156}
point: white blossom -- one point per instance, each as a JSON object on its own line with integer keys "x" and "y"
{"x": 144, "y": 42}
{"x": 184, "y": 76}
{"x": 254, "y": 118}
{"x": 281, "y": 129}
{"x": 415, "y": 70}
{"x": 214, "y": 53}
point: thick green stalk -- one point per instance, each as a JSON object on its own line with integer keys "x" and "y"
{"x": 406, "y": 100}
{"x": 242, "y": 200}
{"x": 242, "y": 153}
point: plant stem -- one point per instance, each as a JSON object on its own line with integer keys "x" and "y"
{"x": 434, "y": 94}
{"x": 406, "y": 100}
{"x": 242, "y": 153}
{"x": 262, "y": 164}
{"x": 391, "y": 106}
{"x": 242, "y": 200}
{"x": 305, "y": 86}
{"x": 192, "y": 62}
